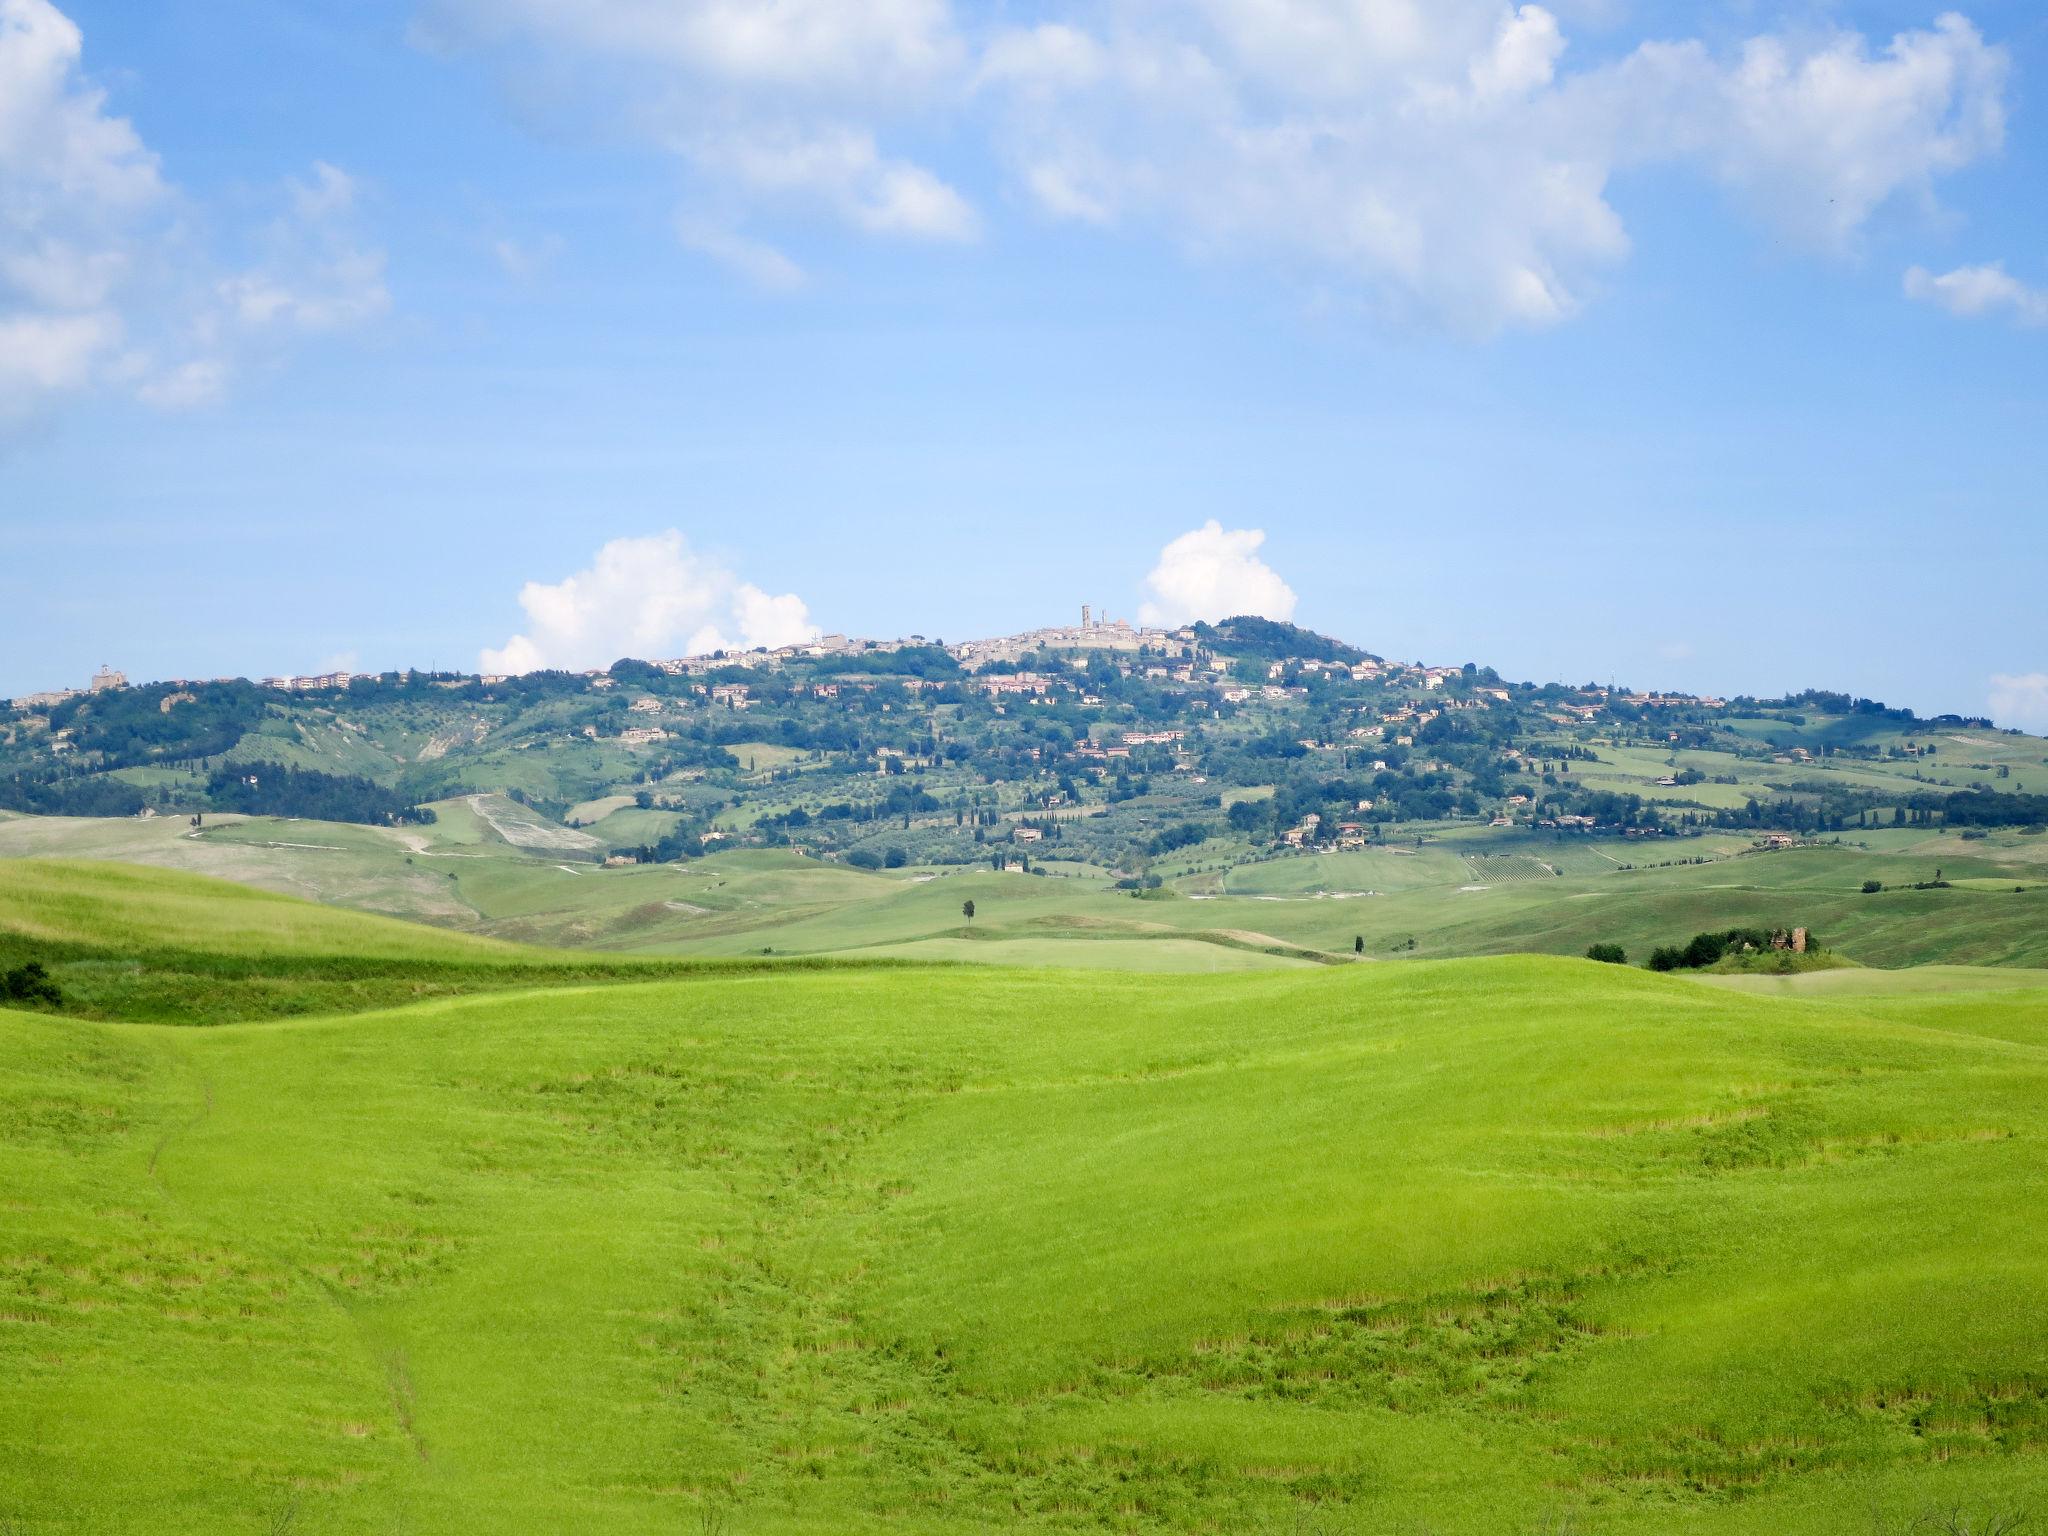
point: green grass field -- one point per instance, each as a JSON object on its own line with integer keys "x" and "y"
{"x": 490, "y": 868}
{"x": 1488, "y": 1246}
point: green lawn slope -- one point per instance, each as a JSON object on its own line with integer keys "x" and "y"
{"x": 1485, "y": 1246}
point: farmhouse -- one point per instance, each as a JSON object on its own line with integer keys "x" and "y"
{"x": 640, "y": 735}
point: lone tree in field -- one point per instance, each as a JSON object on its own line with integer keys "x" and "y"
{"x": 1358, "y": 944}
{"x": 967, "y": 910}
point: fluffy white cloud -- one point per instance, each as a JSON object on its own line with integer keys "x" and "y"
{"x": 647, "y": 597}
{"x": 840, "y": 169}
{"x": 1442, "y": 159}
{"x": 772, "y": 101}
{"x": 76, "y": 187}
{"x": 41, "y": 355}
{"x": 1975, "y": 291}
{"x": 1214, "y": 573}
{"x": 2020, "y": 699}
{"x": 1817, "y": 136}
{"x": 100, "y": 282}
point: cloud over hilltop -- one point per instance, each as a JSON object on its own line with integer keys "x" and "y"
{"x": 1214, "y": 573}
{"x": 646, "y": 597}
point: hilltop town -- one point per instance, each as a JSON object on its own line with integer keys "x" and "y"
{"x": 1101, "y": 745}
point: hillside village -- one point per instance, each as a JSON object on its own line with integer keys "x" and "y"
{"x": 1101, "y": 744}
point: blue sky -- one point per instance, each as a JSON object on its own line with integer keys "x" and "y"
{"x": 1694, "y": 346}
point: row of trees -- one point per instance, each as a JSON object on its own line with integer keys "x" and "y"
{"x": 277, "y": 789}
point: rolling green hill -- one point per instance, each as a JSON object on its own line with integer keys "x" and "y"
{"x": 1448, "y": 890}
{"x": 1484, "y": 1246}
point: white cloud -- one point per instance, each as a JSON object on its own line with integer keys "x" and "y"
{"x": 101, "y": 283}
{"x": 1441, "y": 157}
{"x": 1045, "y": 59}
{"x": 42, "y": 355}
{"x": 776, "y": 101}
{"x": 202, "y": 381}
{"x": 758, "y": 262}
{"x": 77, "y": 188}
{"x": 1448, "y": 161}
{"x": 1975, "y": 291}
{"x": 843, "y": 170}
{"x": 646, "y": 597}
{"x": 2020, "y": 699}
{"x": 525, "y": 261}
{"x": 1817, "y": 136}
{"x": 60, "y": 148}
{"x": 825, "y": 48}
{"x": 1214, "y": 573}
{"x": 328, "y": 193}
{"x": 318, "y": 275}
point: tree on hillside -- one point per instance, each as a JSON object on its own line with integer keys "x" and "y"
{"x": 967, "y": 910}
{"x": 1358, "y": 944}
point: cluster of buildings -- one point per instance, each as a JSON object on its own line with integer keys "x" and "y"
{"x": 103, "y": 681}
{"x": 315, "y": 684}
{"x": 107, "y": 680}
{"x": 773, "y": 659}
{"x": 1094, "y": 633}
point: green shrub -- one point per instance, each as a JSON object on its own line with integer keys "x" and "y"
{"x": 1607, "y": 954}
{"x": 30, "y": 983}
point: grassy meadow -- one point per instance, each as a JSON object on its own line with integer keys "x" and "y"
{"x": 1494, "y": 1245}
